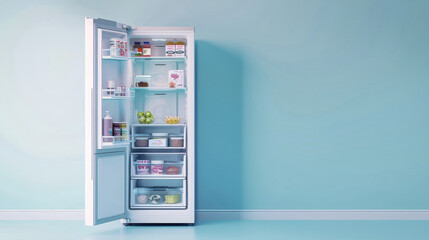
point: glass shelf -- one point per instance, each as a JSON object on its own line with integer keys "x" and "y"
{"x": 159, "y": 58}
{"x": 154, "y": 58}
{"x": 160, "y": 89}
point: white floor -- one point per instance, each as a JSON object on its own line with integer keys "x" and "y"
{"x": 219, "y": 230}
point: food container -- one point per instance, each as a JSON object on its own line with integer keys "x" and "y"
{"x": 176, "y": 142}
{"x": 142, "y": 167}
{"x": 172, "y": 199}
{"x": 158, "y": 142}
{"x": 141, "y": 198}
{"x": 155, "y": 199}
{"x": 142, "y": 142}
{"x": 157, "y": 167}
{"x": 160, "y": 134}
{"x": 172, "y": 170}
{"x": 143, "y": 80}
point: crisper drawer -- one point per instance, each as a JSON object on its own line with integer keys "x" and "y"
{"x": 158, "y": 194}
{"x": 158, "y": 165}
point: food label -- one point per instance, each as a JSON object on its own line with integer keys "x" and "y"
{"x": 170, "y": 50}
{"x": 180, "y": 50}
{"x": 176, "y": 78}
{"x": 157, "y": 169}
{"x": 146, "y": 52}
{"x": 141, "y": 169}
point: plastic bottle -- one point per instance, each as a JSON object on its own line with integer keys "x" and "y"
{"x": 107, "y": 127}
{"x": 146, "y": 49}
{"x": 180, "y": 48}
{"x": 170, "y": 48}
{"x": 138, "y": 49}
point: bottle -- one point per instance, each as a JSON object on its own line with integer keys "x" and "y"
{"x": 180, "y": 48}
{"x": 124, "y": 131}
{"x": 126, "y": 49}
{"x": 170, "y": 48}
{"x": 138, "y": 49}
{"x": 123, "y": 91}
{"x": 117, "y": 131}
{"x": 110, "y": 87}
{"x": 107, "y": 127}
{"x": 146, "y": 49}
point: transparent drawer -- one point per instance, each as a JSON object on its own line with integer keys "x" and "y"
{"x": 158, "y": 193}
{"x": 158, "y": 165}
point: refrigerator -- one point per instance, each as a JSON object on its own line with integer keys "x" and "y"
{"x": 139, "y": 124}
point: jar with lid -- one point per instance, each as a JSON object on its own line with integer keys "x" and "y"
{"x": 157, "y": 166}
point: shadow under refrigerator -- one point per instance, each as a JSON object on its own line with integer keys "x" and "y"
{"x": 139, "y": 123}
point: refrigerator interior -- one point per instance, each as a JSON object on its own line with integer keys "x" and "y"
{"x": 165, "y": 142}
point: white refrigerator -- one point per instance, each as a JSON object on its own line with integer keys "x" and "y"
{"x": 139, "y": 123}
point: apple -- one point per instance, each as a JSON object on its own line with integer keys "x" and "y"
{"x": 148, "y": 114}
{"x": 140, "y": 114}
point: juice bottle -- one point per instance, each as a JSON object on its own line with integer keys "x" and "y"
{"x": 170, "y": 48}
{"x": 138, "y": 49}
{"x": 180, "y": 48}
{"x": 146, "y": 49}
{"x": 107, "y": 127}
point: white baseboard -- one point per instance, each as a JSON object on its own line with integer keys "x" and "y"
{"x": 231, "y": 214}
{"x": 312, "y": 214}
{"x": 43, "y": 214}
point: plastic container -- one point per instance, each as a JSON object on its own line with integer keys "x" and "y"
{"x": 158, "y": 142}
{"x": 146, "y": 49}
{"x": 142, "y": 167}
{"x": 157, "y": 166}
{"x": 138, "y": 49}
{"x": 143, "y": 80}
{"x": 160, "y": 134}
{"x": 172, "y": 199}
{"x": 142, "y": 142}
{"x": 176, "y": 142}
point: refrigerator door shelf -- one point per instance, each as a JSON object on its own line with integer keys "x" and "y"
{"x": 114, "y": 141}
{"x": 109, "y": 94}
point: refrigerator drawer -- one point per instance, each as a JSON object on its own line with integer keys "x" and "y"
{"x": 173, "y": 136}
{"x": 158, "y": 194}
{"x": 158, "y": 165}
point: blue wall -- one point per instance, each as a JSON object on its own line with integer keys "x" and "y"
{"x": 300, "y": 105}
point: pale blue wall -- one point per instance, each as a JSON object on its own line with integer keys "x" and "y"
{"x": 301, "y": 104}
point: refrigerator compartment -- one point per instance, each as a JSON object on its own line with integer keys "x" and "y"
{"x": 168, "y": 131}
{"x": 142, "y": 81}
{"x": 161, "y": 102}
{"x": 158, "y": 68}
{"x": 104, "y": 43}
{"x": 120, "y": 111}
{"x": 158, "y": 194}
{"x": 110, "y": 94}
{"x": 120, "y": 72}
{"x": 174, "y": 165}
{"x": 174, "y": 159}
{"x": 158, "y": 43}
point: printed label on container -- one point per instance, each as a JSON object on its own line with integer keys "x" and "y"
{"x": 170, "y": 50}
{"x": 146, "y": 52}
{"x": 180, "y": 50}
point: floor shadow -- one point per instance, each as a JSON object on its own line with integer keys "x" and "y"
{"x": 219, "y": 96}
